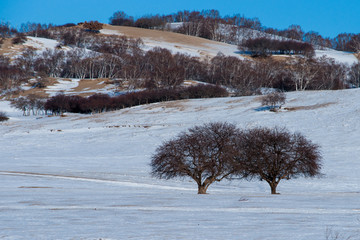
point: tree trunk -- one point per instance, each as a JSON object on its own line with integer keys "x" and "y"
{"x": 202, "y": 189}
{"x": 273, "y": 186}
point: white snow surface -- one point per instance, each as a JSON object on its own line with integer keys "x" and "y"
{"x": 110, "y": 32}
{"x": 195, "y": 51}
{"x": 41, "y": 43}
{"x": 88, "y": 176}
{"x": 339, "y": 56}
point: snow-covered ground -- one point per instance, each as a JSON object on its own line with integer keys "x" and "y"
{"x": 339, "y": 56}
{"x": 87, "y": 176}
{"x": 41, "y": 43}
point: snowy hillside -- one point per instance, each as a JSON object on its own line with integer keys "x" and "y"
{"x": 87, "y": 176}
{"x": 340, "y": 57}
{"x": 200, "y": 47}
{"x": 175, "y": 42}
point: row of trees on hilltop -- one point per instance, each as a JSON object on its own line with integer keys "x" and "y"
{"x": 206, "y": 23}
{"x": 211, "y": 25}
{"x": 122, "y": 58}
{"x": 217, "y": 151}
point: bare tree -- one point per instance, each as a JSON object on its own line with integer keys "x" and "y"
{"x": 303, "y": 73}
{"x": 274, "y": 100}
{"x": 122, "y": 19}
{"x": 204, "y": 153}
{"x": 276, "y": 154}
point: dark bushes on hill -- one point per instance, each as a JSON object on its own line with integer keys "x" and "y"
{"x": 102, "y": 102}
{"x": 93, "y": 26}
{"x": 264, "y": 46}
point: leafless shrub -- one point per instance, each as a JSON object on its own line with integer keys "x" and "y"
{"x": 41, "y": 82}
{"x": 3, "y": 117}
{"x": 331, "y": 234}
{"x": 274, "y": 100}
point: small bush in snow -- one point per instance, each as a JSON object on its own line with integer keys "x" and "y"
{"x": 274, "y": 100}
{"x": 3, "y": 117}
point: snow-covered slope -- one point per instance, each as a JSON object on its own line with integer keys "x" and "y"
{"x": 41, "y": 43}
{"x": 175, "y": 42}
{"x": 87, "y": 176}
{"x": 200, "y": 47}
{"x": 340, "y": 57}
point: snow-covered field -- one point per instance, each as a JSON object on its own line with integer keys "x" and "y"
{"x": 87, "y": 176}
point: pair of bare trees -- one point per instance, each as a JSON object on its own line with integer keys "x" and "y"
{"x": 215, "y": 151}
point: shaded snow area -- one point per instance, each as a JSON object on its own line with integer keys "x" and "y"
{"x": 87, "y": 176}
{"x": 340, "y": 57}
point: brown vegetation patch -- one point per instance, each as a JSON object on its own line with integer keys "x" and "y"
{"x": 39, "y": 92}
{"x": 200, "y": 108}
{"x": 235, "y": 101}
{"x": 85, "y": 88}
{"x": 176, "y": 105}
{"x": 88, "y": 87}
{"x": 311, "y": 107}
{"x": 9, "y": 49}
{"x": 282, "y": 58}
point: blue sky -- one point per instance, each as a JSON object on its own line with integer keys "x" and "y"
{"x": 328, "y": 17}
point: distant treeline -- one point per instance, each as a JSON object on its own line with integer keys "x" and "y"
{"x": 122, "y": 59}
{"x": 211, "y": 25}
{"x": 207, "y": 24}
